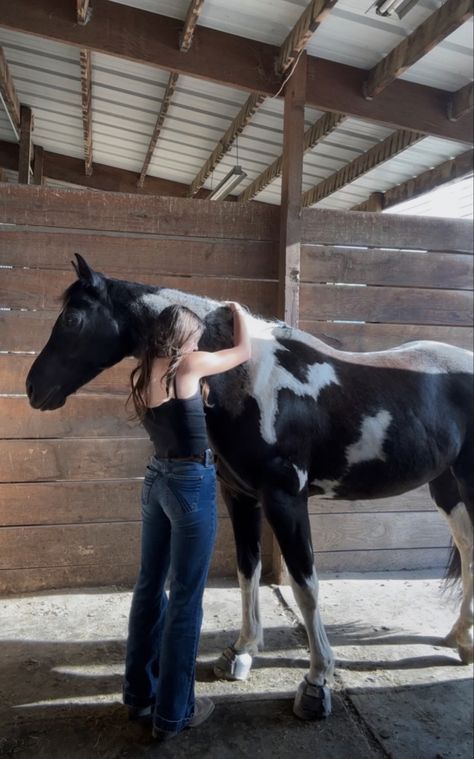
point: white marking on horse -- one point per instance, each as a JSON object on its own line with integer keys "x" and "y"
{"x": 372, "y": 436}
{"x": 268, "y": 378}
{"x": 302, "y": 476}
{"x": 251, "y": 633}
{"x": 321, "y": 658}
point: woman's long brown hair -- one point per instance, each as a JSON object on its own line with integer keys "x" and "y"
{"x": 174, "y": 326}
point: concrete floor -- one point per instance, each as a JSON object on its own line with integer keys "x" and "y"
{"x": 397, "y": 692}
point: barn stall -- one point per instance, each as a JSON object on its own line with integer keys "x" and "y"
{"x": 325, "y": 258}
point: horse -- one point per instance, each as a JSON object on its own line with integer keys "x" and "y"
{"x": 299, "y": 418}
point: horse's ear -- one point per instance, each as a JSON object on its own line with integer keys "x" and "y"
{"x": 86, "y": 273}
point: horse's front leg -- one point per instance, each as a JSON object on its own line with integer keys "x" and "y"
{"x": 288, "y": 515}
{"x": 236, "y": 660}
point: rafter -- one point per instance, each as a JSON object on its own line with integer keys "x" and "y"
{"x": 444, "y": 173}
{"x": 320, "y": 129}
{"x": 429, "y": 34}
{"x": 165, "y": 104}
{"x": 302, "y": 32}
{"x": 64, "y": 168}
{"x": 393, "y": 145}
{"x": 461, "y": 102}
{"x": 83, "y": 11}
{"x": 190, "y": 22}
{"x": 229, "y": 60}
{"x": 8, "y": 94}
{"x": 240, "y": 121}
{"x": 86, "y": 94}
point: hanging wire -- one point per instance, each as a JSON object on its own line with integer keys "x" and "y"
{"x": 237, "y": 148}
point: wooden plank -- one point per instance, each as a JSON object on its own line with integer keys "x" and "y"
{"x": 47, "y": 460}
{"x": 375, "y": 337}
{"x": 190, "y": 22}
{"x": 461, "y": 102}
{"x": 165, "y": 104}
{"x": 14, "y": 368}
{"x": 43, "y": 503}
{"x": 81, "y": 417}
{"x": 238, "y": 124}
{"x": 151, "y": 39}
{"x": 379, "y": 531}
{"x": 377, "y": 155}
{"x": 40, "y": 288}
{"x": 290, "y": 210}
{"x": 86, "y": 96}
{"x": 25, "y": 330}
{"x": 151, "y": 255}
{"x": 383, "y": 561}
{"x": 38, "y": 165}
{"x": 14, "y": 581}
{"x": 25, "y": 150}
{"x": 296, "y": 41}
{"x": 322, "y": 226}
{"x": 120, "y": 212}
{"x": 373, "y": 266}
{"x": 430, "y": 33}
{"x": 400, "y": 305}
{"x": 8, "y": 93}
{"x": 414, "y": 500}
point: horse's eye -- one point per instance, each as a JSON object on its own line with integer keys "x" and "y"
{"x": 72, "y": 319}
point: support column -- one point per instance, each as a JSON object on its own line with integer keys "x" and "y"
{"x": 26, "y": 146}
{"x": 291, "y": 190}
{"x": 290, "y": 223}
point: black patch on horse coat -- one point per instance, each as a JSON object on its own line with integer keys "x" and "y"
{"x": 297, "y": 358}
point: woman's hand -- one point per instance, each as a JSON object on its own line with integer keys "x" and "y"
{"x": 234, "y": 307}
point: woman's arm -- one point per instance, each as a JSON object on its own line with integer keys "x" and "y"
{"x": 204, "y": 363}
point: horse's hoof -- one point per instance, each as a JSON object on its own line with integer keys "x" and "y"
{"x": 312, "y": 701}
{"x": 233, "y": 666}
{"x": 466, "y": 654}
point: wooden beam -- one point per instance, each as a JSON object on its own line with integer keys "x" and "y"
{"x": 38, "y": 165}
{"x": 86, "y": 94}
{"x": 165, "y": 104}
{"x": 232, "y": 61}
{"x": 444, "y": 173}
{"x": 84, "y": 11}
{"x": 393, "y": 145}
{"x": 302, "y": 32}
{"x": 290, "y": 212}
{"x": 63, "y": 168}
{"x": 425, "y": 37}
{"x": 251, "y": 105}
{"x": 461, "y": 102}
{"x": 373, "y": 204}
{"x": 8, "y": 94}
{"x": 320, "y": 129}
{"x": 190, "y": 22}
{"x": 26, "y": 145}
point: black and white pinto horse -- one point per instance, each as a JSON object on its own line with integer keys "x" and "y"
{"x": 299, "y": 418}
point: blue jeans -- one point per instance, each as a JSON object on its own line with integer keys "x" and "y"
{"x": 178, "y": 532}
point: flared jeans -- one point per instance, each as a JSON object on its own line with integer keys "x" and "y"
{"x": 178, "y": 533}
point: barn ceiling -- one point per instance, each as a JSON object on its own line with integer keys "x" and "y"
{"x": 181, "y": 130}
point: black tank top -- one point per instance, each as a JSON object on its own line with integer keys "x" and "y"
{"x": 177, "y": 428}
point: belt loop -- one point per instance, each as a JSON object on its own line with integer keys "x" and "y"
{"x": 207, "y": 457}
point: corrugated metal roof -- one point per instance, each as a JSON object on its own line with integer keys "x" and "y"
{"x": 126, "y": 98}
{"x": 453, "y": 201}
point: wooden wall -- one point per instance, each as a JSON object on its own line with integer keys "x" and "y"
{"x": 370, "y": 282}
{"x": 70, "y": 479}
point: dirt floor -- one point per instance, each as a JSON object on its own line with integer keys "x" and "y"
{"x": 397, "y": 692}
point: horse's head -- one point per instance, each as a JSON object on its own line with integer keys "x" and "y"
{"x": 86, "y": 338}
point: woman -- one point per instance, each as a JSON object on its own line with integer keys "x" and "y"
{"x": 178, "y": 519}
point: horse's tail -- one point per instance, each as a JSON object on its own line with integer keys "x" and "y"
{"x": 452, "y": 575}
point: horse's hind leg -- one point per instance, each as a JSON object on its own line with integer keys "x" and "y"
{"x": 453, "y": 494}
{"x": 236, "y": 661}
{"x": 288, "y": 516}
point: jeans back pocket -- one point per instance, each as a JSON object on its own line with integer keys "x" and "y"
{"x": 186, "y": 488}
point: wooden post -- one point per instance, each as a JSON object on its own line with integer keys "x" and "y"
{"x": 38, "y": 165}
{"x": 24, "y": 158}
{"x": 291, "y": 183}
{"x": 290, "y": 223}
